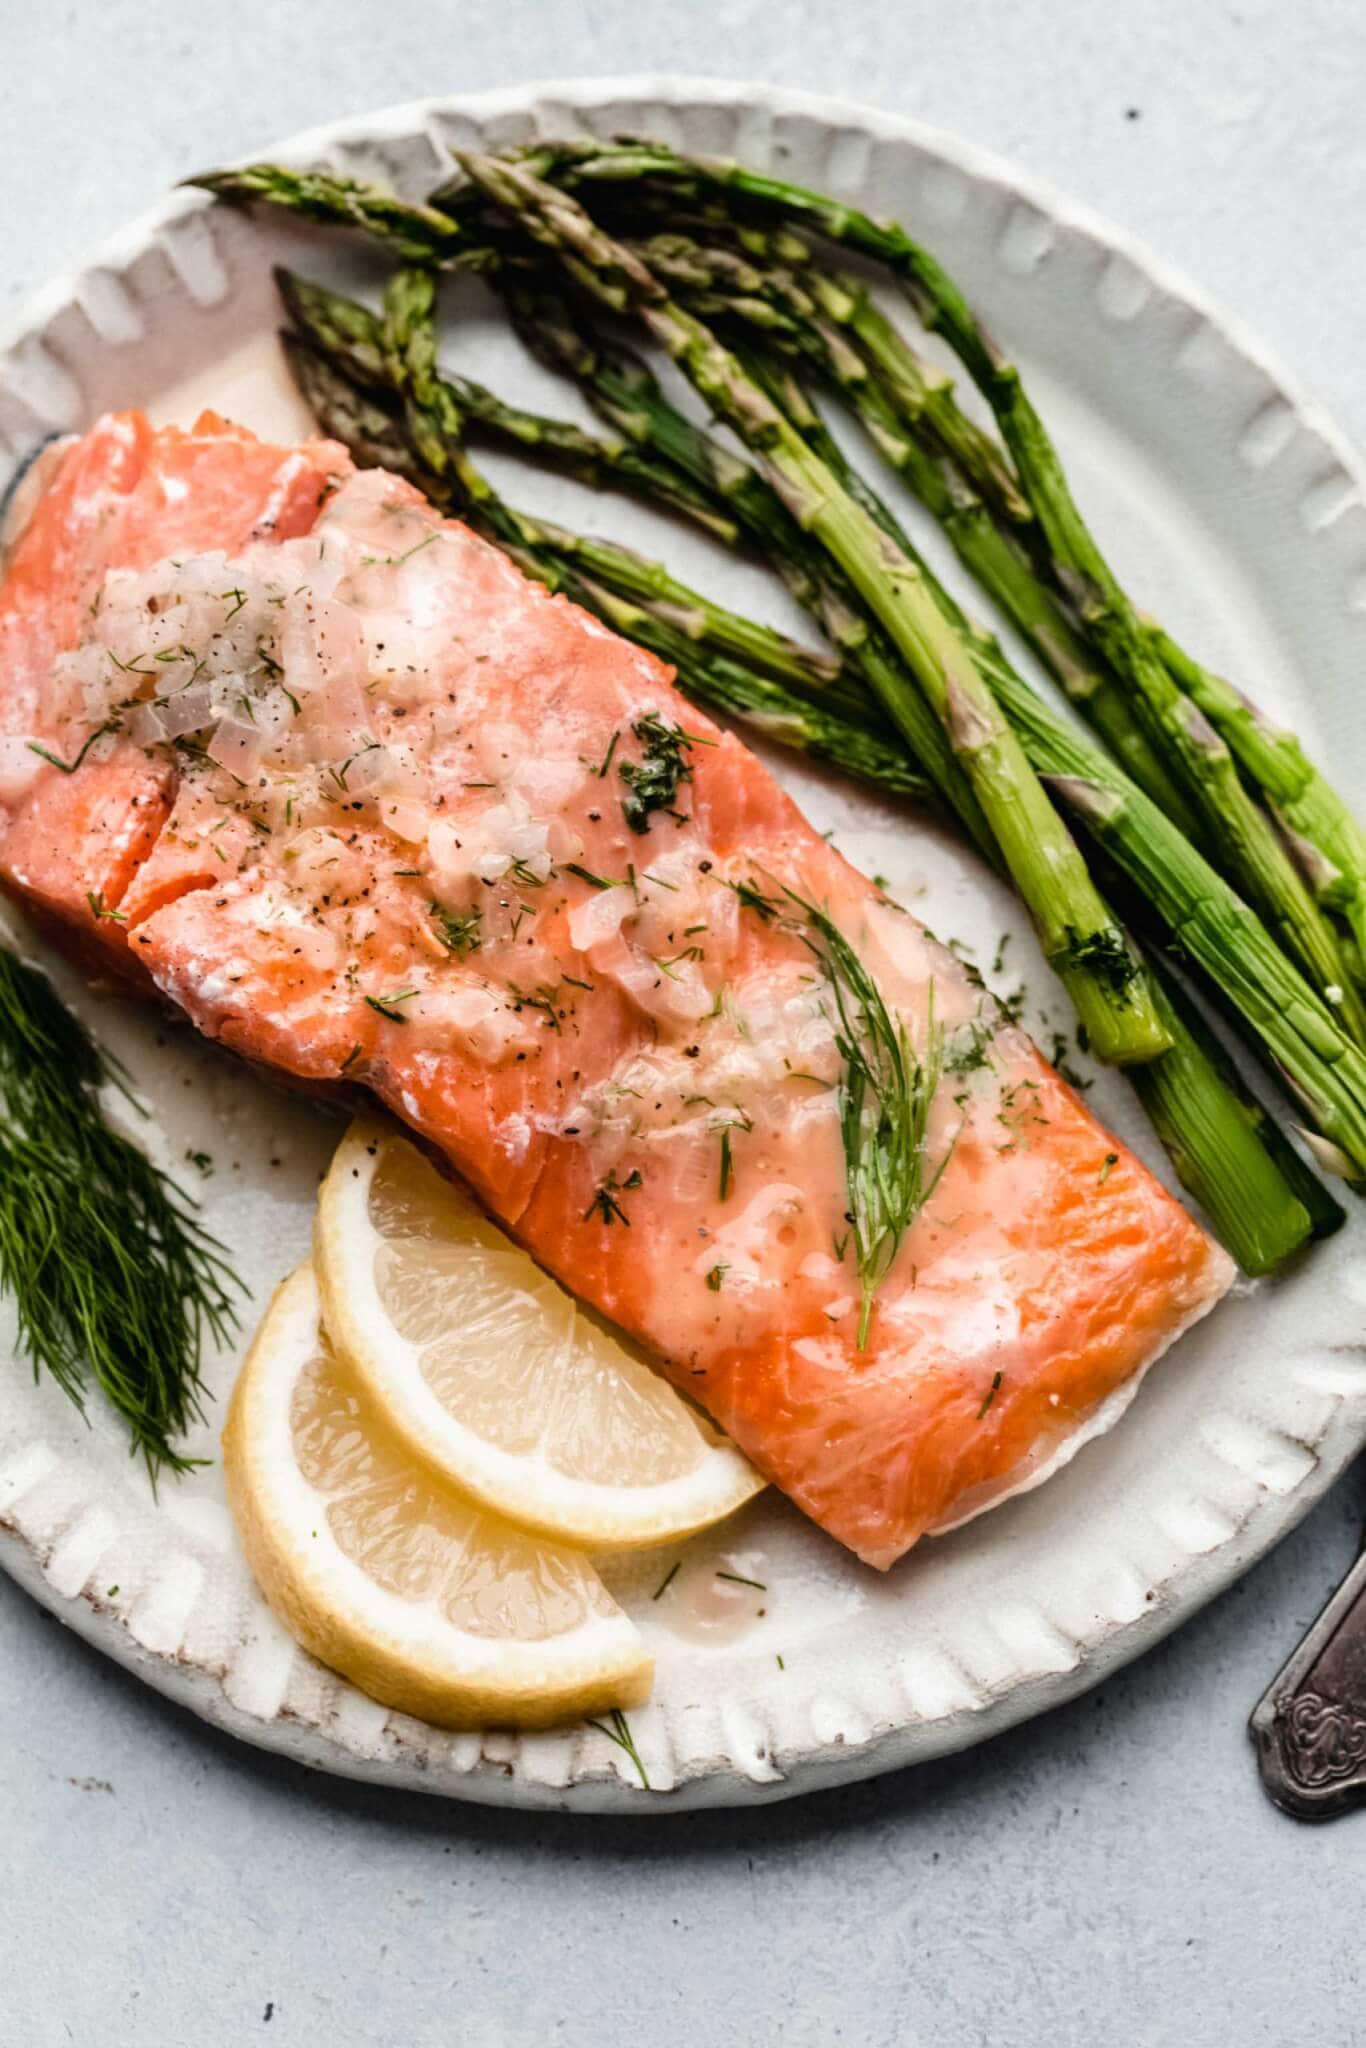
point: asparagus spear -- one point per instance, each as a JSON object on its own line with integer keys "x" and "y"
{"x": 1247, "y": 842}
{"x": 1007, "y": 575}
{"x": 749, "y": 289}
{"x": 593, "y": 460}
{"x": 1261, "y": 1198}
{"x": 416, "y": 234}
{"x": 1080, "y": 939}
{"x": 1310, "y": 814}
{"x": 1326, "y": 839}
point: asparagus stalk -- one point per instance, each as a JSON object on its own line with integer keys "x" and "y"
{"x": 1205, "y": 918}
{"x": 750, "y": 290}
{"x": 416, "y": 234}
{"x": 1005, "y": 572}
{"x": 598, "y": 462}
{"x": 993, "y": 555}
{"x": 1325, "y": 837}
{"x": 1260, "y": 1197}
{"x": 1080, "y": 939}
{"x": 1248, "y": 843}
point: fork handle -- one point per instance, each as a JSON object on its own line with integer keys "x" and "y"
{"x": 1310, "y": 1724}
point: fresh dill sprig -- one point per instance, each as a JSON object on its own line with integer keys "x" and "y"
{"x": 459, "y": 931}
{"x": 886, "y": 1091}
{"x": 113, "y": 1275}
{"x": 620, "y": 1733}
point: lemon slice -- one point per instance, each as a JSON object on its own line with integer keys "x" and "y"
{"x": 485, "y": 1368}
{"x": 424, "y": 1600}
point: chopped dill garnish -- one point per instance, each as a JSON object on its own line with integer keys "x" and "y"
{"x": 670, "y": 1575}
{"x": 753, "y": 898}
{"x": 572, "y": 867}
{"x": 202, "y": 1162}
{"x": 542, "y": 999}
{"x": 722, "y": 1127}
{"x": 716, "y": 1276}
{"x": 239, "y": 598}
{"x": 113, "y": 1275}
{"x": 350, "y": 1060}
{"x": 574, "y": 982}
{"x": 605, "y": 1203}
{"x": 70, "y": 767}
{"x": 397, "y": 561}
{"x": 388, "y": 1005}
{"x": 779, "y": 1662}
{"x": 670, "y": 966}
{"x": 738, "y": 1579}
{"x": 1111, "y": 1162}
{"x": 886, "y": 1091}
{"x": 95, "y": 898}
{"x": 992, "y": 1392}
{"x": 525, "y": 877}
{"x": 458, "y": 931}
{"x": 999, "y": 961}
{"x": 606, "y": 761}
{"x": 652, "y": 782}
{"x": 620, "y": 1733}
{"x": 967, "y": 1050}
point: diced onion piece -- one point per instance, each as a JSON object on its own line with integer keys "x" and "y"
{"x": 237, "y": 746}
{"x": 147, "y": 725}
{"x": 188, "y": 710}
{"x": 370, "y": 772}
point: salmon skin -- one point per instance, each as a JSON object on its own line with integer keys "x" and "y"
{"x": 371, "y": 807}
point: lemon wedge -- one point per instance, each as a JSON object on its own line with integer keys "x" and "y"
{"x": 424, "y": 1600}
{"x": 485, "y": 1369}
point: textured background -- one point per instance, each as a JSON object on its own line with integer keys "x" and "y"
{"x": 1109, "y": 1873}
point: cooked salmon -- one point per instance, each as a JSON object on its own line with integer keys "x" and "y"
{"x": 371, "y": 808}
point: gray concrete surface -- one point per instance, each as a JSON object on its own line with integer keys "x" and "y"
{"x": 1109, "y": 1874}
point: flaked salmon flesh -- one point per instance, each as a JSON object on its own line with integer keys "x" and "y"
{"x": 370, "y": 807}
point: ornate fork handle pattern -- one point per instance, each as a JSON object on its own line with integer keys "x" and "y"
{"x": 1310, "y": 1724}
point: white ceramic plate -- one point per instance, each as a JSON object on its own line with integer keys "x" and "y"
{"x": 1233, "y": 510}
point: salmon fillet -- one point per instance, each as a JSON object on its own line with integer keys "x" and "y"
{"x": 373, "y": 808}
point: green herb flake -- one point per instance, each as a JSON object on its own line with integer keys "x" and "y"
{"x": 992, "y": 1392}
{"x": 70, "y": 767}
{"x": 458, "y": 931}
{"x": 1111, "y": 1162}
{"x": 620, "y": 1733}
{"x": 670, "y": 1575}
{"x": 387, "y": 1006}
{"x": 652, "y": 783}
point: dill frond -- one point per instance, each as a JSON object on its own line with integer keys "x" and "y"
{"x": 114, "y": 1277}
{"x": 886, "y": 1091}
